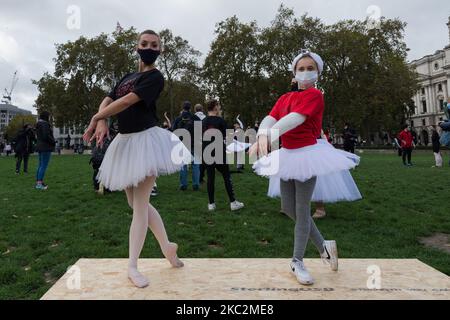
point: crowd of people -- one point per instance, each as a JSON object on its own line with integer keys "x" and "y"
{"x": 33, "y": 138}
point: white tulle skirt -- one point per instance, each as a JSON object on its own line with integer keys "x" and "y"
{"x": 237, "y": 146}
{"x": 304, "y": 163}
{"x": 334, "y": 187}
{"x": 356, "y": 159}
{"x": 132, "y": 157}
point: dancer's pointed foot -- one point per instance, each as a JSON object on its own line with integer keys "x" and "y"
{"x": 171, "y": 254}
{"x": 138, "y": 279}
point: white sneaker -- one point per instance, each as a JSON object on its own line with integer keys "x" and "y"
{"x": 212, "y": 207}
{"x": 330, "y": 254}
{"x": 299, "y": 270}
{"x": 236, "y": 205}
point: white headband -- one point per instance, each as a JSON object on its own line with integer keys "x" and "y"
{"x": 306, "y": 53}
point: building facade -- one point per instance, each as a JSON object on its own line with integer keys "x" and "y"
{"x": 7, "y": 113}
{"x": 434, "y": 78}
{"x": 69, "y": 137}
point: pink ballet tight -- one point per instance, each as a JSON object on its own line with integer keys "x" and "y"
{"x": 146, "y": 216}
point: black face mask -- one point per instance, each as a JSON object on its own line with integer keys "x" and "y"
{"x": 148, "y": 56}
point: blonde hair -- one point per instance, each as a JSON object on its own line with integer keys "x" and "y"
{"x": 198, "y": 107}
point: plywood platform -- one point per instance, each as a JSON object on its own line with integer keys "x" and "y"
{"x": 249, "y": 279}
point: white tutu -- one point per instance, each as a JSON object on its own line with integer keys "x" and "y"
{"x": 304, "y": 163}
{"x": 334, "y": 187}
{"x": 132, "y": 157}
{"x": 237, "y": 146}
{"x": 356, "y": 159}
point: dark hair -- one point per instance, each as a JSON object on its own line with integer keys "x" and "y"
{"x": 211, "y": 104}
{"x": 44, "y": 115}
{"x": 187, "y": 105}
{"x": 151, "y": 32}
{"x": 405, "y": 126}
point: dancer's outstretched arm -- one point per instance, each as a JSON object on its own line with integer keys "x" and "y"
{"x": 272, "y": 130}
{"x": 113, "y": 108}
{"x": 285, "y": 124}
{"x": 102, "y": 130}
{"x": 106, "y": 102}
{"x": 260, "y": 148}
{"x": 117, "y": 106}
{"x": 267, "y": 123}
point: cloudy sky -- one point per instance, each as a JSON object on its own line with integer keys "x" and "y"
{"x": 29, "y": 29}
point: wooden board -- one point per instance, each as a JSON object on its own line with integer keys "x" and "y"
{"x": 252, "y": 279}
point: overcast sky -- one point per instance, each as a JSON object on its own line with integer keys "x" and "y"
{"x": 29, "y": 29}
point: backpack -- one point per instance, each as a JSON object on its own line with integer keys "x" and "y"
{"x": 445, "y": 139}
{"x": 445, "y": 125}
{"x": 187, "y": 122}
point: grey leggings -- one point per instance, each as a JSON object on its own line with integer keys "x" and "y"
{"x": 296, "y": 203}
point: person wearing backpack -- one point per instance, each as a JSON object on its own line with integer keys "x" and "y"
{"x": 186, "y": 121}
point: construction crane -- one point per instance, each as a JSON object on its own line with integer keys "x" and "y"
{"x": 7, "y": 95}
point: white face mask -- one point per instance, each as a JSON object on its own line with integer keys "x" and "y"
{"x": 306, "y": 79}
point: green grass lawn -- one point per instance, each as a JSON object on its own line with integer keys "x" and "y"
{"x": 43, "y": 232}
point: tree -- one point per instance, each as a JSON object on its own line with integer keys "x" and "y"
{"x": 85, "y": 71}
{"x": 180, "y": 92}
{"x": 281, "y": 42}
{"x": 367, "y": 80}
{"x": 231, "y": 68}
{"x": 178, "y": 61}
{"x": 344, "y": 49}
